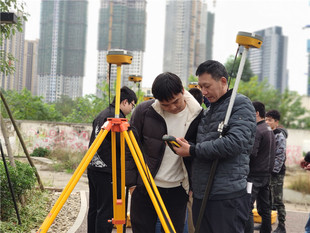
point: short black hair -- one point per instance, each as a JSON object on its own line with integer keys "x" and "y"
{"x": 274, "y": 114}
{"x": 127, "y": 94}
{"x": 197, "y": 94}
{"x": 260, "y": 108}
{"x": 166, "y": 85}
{"x": 216, "y": 69}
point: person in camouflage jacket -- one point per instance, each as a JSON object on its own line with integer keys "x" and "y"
{"x": 278, "y": 172}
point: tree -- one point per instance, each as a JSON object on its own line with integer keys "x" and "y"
{"x": 8, "y": 30}
{"x": 65, "y": 105}
{"x": 288, "y": 103}
{"x": 232, "y": 68}
{"x": 24, "y": 106}
{"x": 87, "y": 108}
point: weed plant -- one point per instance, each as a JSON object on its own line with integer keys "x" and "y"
{"x": 66, "y": 160}
{"x": 301, "y": 183}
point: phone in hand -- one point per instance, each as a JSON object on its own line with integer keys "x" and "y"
{"x": 171, "y": 141}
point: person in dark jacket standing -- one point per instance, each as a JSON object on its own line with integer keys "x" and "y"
{"x": 99, "y": 170}
{"x": 261, "y": 165}
{"x": 174, "y": 112}
{"x": 228, "y": 206}
{"x": 278, "y": 172}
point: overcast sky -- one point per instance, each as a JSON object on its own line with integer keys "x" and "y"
{"x": 231, "y": 16}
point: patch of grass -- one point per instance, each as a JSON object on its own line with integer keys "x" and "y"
{"x": 66, "y": 160}
{"x": 32, "y": 214}
{"x": 300, "y": 183}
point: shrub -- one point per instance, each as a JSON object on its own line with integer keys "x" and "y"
{"x": 22, "y": 178}
{"x": 40, "y": 152}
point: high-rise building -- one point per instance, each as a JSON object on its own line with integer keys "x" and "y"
{"x": 188, "y": 37}
{"x": 270, "y": 61}
{"x": 62, "y": 48}
{"x": 29, "y": 78}
{"x": 122, "y": 25}
{"x": 15, "y": 47}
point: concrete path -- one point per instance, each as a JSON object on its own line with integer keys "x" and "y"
{"x": 297, "y": 214}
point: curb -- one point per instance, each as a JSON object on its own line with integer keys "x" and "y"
{"x": 83, "y": 210}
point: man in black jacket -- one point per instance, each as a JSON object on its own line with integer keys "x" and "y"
{"x": 99, "y": 170}
{"x": 174, "y": 112}
{"x": 227, "y": 209}
{"x": 261, "y": 165}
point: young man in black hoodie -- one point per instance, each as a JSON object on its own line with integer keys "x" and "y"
{"x": 99, "y": 171}
{"x": 278, "y": 172}
{"x": 261, "y": 165}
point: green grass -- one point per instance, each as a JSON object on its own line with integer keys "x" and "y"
{"x": 32, "y": 214}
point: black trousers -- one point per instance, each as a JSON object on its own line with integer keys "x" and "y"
{"x": 223, "y": 215}
{"x": 260, "y": 194}
{"x": 100, "y": 202}
{"x": 143, "y": 215}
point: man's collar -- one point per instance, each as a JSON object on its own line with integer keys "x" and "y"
{"x": 225, "y": 96}
{"x": 260, "y": 122}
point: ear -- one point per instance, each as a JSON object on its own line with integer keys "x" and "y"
{"x": 124, "y": 102}
{"x": 223, "y": 80}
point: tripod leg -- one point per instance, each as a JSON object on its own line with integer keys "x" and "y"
{"x": 118, "y": 199}
{"x": 149, "y": 183}
{"x": 123, "y": 177}
{"x": 136, "y": 146}
{"x": 72, "y": 182}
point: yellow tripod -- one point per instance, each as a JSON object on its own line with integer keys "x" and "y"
{"x": 114, "y": 125}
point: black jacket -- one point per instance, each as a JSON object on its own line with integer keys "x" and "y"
{"x": 102, "y": 160}
{"x": 149, "y": 127}
{"x": 263, "y": 154}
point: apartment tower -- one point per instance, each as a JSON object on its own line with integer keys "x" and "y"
{"x": 122, "y": 25}
{"x": 188, "y": 37}
{"x": 270, "y": 61}
{"x": 62, "y": 48}
{"x": 15, "y": 47}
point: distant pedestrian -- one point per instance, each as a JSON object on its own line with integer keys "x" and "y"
{"x": 305, "y": 164}
{"x": 278, "y": 172}
{"x": 197, "y": 94}
{"x": 261, "y": 165}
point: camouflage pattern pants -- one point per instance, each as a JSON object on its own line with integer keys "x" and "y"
{"x": 276, "y": 189}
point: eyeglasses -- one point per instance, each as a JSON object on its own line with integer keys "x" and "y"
{"x": 133, "y": 105}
